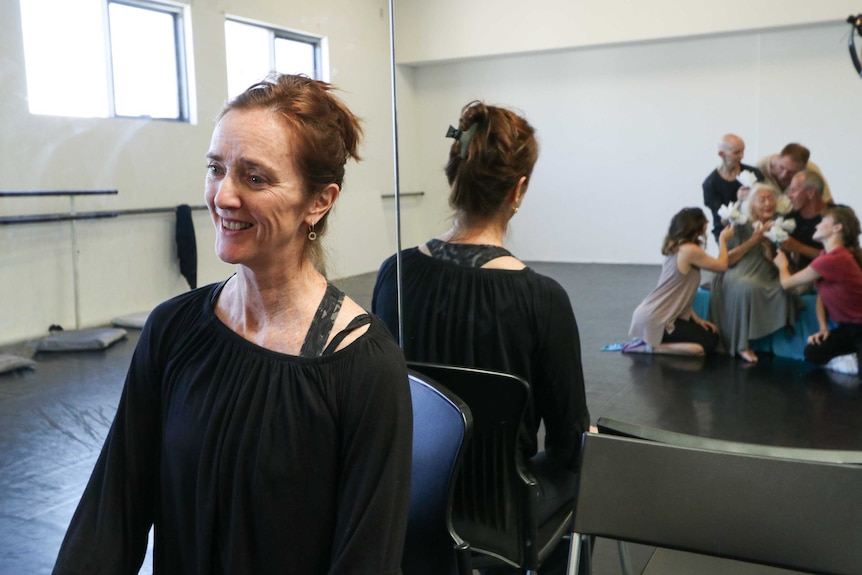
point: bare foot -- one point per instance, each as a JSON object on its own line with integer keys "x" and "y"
{"x": 748, "y": 355}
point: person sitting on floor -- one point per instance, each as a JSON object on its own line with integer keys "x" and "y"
{"x": 746, "y": 301}
{"x": 837, "y": 273}
{"x": 806, "y": 195}
{"x": 665, "y": 322}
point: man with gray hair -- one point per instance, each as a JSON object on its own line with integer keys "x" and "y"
{"x": 806, "y": 194}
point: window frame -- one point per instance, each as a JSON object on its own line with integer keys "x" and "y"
{"x": 179, "y": 13}
{"x": 319, "y": 43}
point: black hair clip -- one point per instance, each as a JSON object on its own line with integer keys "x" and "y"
{"x": 462, "y": 136}
{"x": 856, "y": 28}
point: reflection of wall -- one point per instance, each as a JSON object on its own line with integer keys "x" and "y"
{"x": 128, "y": 264}
{"x": 628, "y": 132}
{"x": 453, "y": 29}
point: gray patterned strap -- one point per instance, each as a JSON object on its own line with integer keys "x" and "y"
{"x": 468, "y": 255}
{"x": 321, "y": 324}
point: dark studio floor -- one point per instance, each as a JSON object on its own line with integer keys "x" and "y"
{"x": 53, "y": 419}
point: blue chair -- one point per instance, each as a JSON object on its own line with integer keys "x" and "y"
{"x": 442, "y": 424}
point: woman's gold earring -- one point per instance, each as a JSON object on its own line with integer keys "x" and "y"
{"x": 312, "y": 235}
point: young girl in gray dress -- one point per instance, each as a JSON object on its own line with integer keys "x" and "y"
{"x": 665, "y": 322}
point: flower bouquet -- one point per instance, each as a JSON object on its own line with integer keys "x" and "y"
{"x": 732, "y": 213}
{"x": 783, "y": 206}
{"x": 746, "y": 178}
{"x": 780, "y": 230}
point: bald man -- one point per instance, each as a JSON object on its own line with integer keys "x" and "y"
{"x": 779, "y": 169}
{"x": 721, "y": 186}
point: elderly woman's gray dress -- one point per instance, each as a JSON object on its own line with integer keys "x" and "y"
{"x": 747, "y": 301}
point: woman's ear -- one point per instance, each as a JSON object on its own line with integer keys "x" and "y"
{"x": 322, "y": 204}
{"x": 516, "y": 196}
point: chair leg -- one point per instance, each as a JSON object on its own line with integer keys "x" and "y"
{"x": 625, "y": 558}
{"x": 579, "y": 555}
{"x": 464, "y": 559}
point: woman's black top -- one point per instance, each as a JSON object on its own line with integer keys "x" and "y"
{"x": 517, "y": 322}
{"x": 248, "y": 460}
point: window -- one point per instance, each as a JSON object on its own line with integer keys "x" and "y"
{"x": 254, "y": 50}
{"x": 105, "y": 58}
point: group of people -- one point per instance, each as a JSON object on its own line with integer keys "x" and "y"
{"x": 779, "y": 234}
{"x": 265, "y": 424}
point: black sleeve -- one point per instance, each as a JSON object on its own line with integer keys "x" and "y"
{"x": 108, "y": 532}
{"x": 559, "y": 390}
{"x": 384, "y": 300}
{"x": 377, "y": 445}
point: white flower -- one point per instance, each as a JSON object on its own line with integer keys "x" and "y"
{"x": 780, "y": 230}
{"x": 783, "y": 206}
{"x": 732, "y": 213}
{"x": 746, "y": 178}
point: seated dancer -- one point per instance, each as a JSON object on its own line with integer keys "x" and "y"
{"x": 746, "y": 301}
{"x": 665, "y": 322}
{"x": 806, "y": 195}
{"x": 468, "y": 301}
{"x": 721, "y": 186}
{"x": 837, "y": 273}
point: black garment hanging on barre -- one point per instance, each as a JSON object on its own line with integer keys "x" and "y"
{"x": 187, "y": 250}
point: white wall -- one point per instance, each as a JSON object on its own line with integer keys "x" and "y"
{"x": 453, "y": 29}
{"x": 129, "y": 264}
{"x": 628, "y": 132}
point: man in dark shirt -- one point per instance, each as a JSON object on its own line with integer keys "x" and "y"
{"x": 806, "y": 195}
{"x": 721, "y": 186}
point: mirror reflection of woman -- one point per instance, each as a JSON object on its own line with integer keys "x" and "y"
{"x": 746, "y": 301}
{"x": 265, "y": 424}
{"x": 665, "y": 322}
{"x": 837, "y": 274}
{"x": 468, "y": 301}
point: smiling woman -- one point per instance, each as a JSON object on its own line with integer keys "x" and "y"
{"x": 270, "y": 398}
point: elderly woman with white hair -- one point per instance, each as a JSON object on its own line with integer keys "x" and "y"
{"x": 747, "y": 300}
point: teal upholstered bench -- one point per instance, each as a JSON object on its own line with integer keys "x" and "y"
{"x": 779, "y": 343}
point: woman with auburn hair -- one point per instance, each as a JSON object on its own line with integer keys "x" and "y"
{"x": 468, "y": 301}
{"x": 837, "y": 274}
{"x": 665, "y": 322}
{"x": 746, "y": 301}
{"x": 265, "y": 424}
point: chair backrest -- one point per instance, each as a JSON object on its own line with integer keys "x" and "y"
{"x": 442, "y": 425}
{"x": 491, "y": 505}
{"x": 625, "y": 429}
{"x": 786, "y": 513}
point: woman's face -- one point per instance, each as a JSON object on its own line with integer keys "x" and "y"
{"x": 824, "y": 229}
{"x": 763, "y": 205}
{"x": 255, "y": 196}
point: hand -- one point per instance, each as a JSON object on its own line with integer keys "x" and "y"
{"x": 780, "y": 260}
{"x": 707, "y": 325}
{"x": 791, "y": 244}
{"x": 759, "y": 230}
{"x": 725, "y": 234}
{"x": 819, "y": 337}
